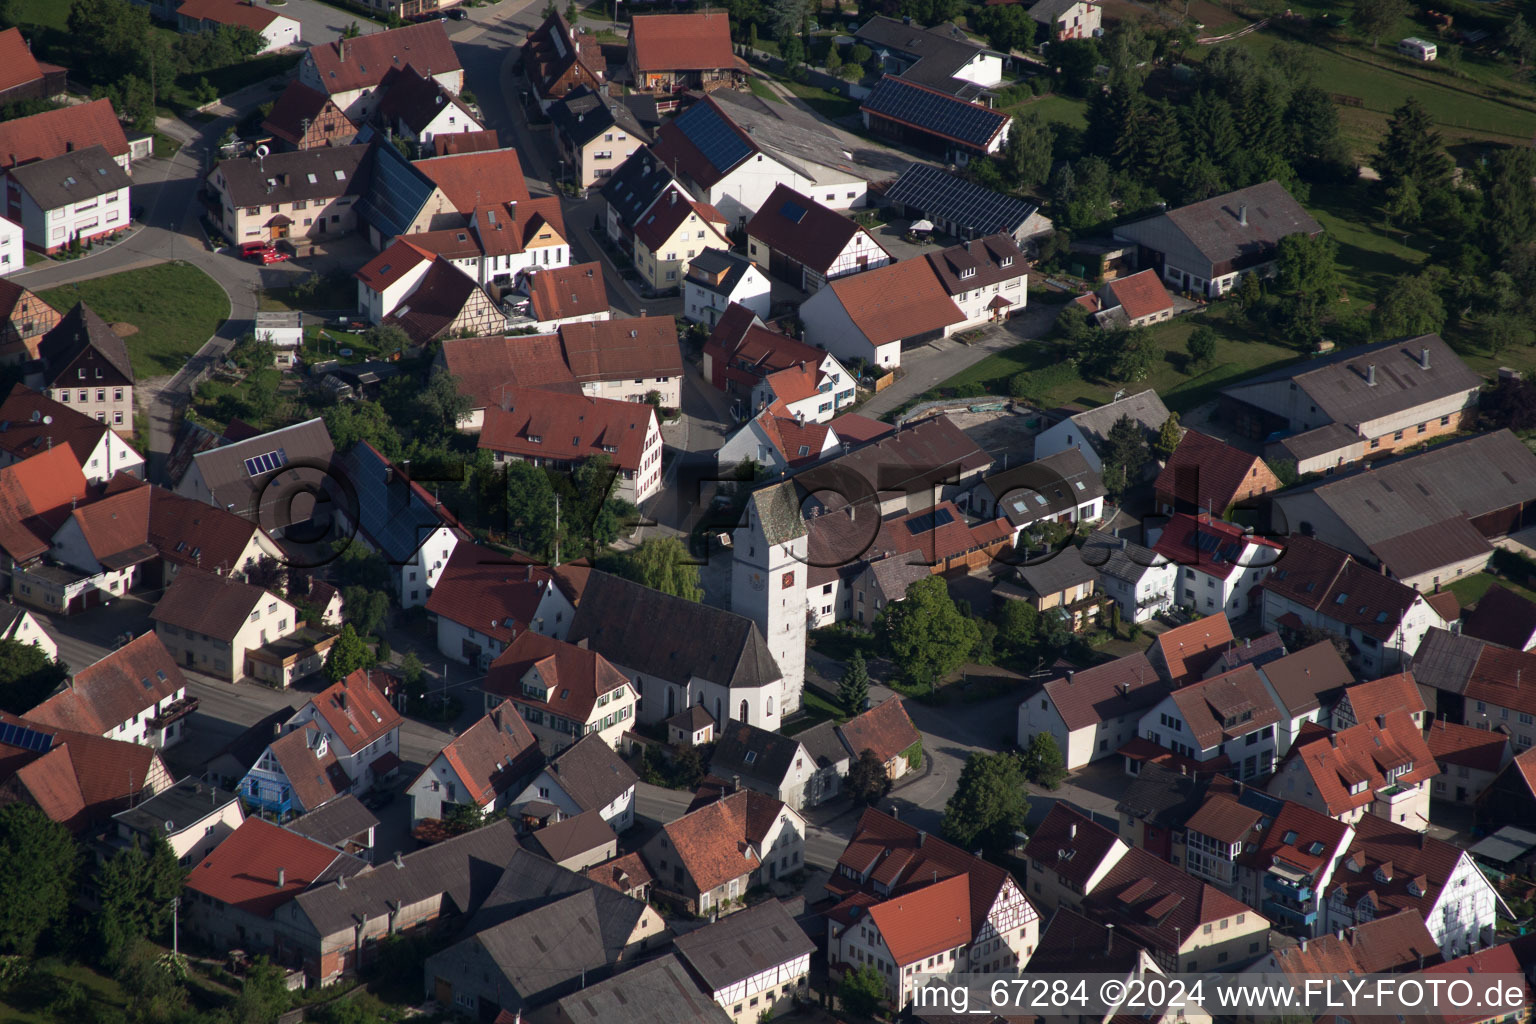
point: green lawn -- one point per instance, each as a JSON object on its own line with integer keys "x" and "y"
{"x": 761, "y": 90}
{"x": 1051, "y": 107}
{"x": 36, "y": 257}
{"x": 1469, "y": 589}
{"x": 333, "y": 292}
{"x": 1371, "y": 254}
{"x": 828, "y": 104}
{"x": 175, "y": 306}
{"x": 106, "y": 997}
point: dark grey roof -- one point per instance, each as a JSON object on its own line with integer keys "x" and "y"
{"x": 1048, "y": 11}
{"x": 1145, "y": 407}
{"x": 746, "y": 943}
{"x": 529, "y": 882}
{"x": 1162, "y": 796}
{"x": 1119, "y": 557}
{"x": 946, "y": 197}
{"x": 1445, "y": 660}
{"x": 181, "y": 806}
{"x": 778, "y": 510}
{"x": 938, "y": 52}
{"x": 757, "y": 753}
{"x": 591, "y": 773}
{"x": 1214, "y": 228}
{"x": 1071, "y": 942}
{"x": 335, "y": 821}
{"x": 79, "y": 329}
{"x": 1045, "y": 487}
{"x": 465, "y": 869}
{"x": 396, "y": 189}
{"x": 657, "y": 992}
{"x": 1066, "y": 569}
{"x": 671, "y": 638}
{"x": 249, "y": 745}
{"x": 1328, "y": 438}
{"x": 571, "y": 837}
{"x": 711, "y": 262}
{"x": 635, "y": 185}
{"x": 71, "y": 177}
{"x": 1257, "y": 652}
{"x": 783, "y": 131}
{"x": 822, "y": 743}
{"x": 582, "y": 115}
{"x": 285, "y": 177}
{"x": 304, "y": 447}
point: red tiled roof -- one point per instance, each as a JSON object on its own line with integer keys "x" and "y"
{"x": 487, "y": 178}
{"x": 27, "y": 433}
{"x": 134, "y": 678}
{"x": 851, "y": 426}
{"x": 106, "y": 773}
{"x": 682, "y": 42}
{"x": 362, "y": 62}
{"x": 1304, "y": 828}
{"x": 465, "y": 142}
{"x": 899, "y": 300}
{"x": 1209, "y": 473}
{"x": 1213, "y": 547}
{"x": 315, "y": 777}
{"x": 740, "y": 337}
{"x": 228, "y": 12}
{"x": 35, "y": 498}
{"x": 504, "y": 228}
{"x": 1158, "y": 904}
{"x": 1410, "y": 856}
{"x": 797, "y": 442}
{"x": 190, "y": 532}
{"x": 582, "y": 282}
{"x": 1500, "y": 677}
{"x": 714, "y": 841}
{"x": 116, "y": 527}
{"x": 1390, "y": 693}
{"x": 1124, "y": 686}
{"x": 397, "y": 259}
{"x": 1480, "y": 749}
{"x": 927, "y": 921}
{"x": 795, "y": 383}
{"x": 624, "y": 873}
{"x": 491, "y": 593}
{"x": 1224, "y": 819}
{"x": 1331, "y": 583}
{"x": 484, "y": 366}
{"x": 574, "y": 676}
{"x": 493, "y": 753}
{"x": 1491, "y": 960}
{"x": 1141, "y": 294}
{"x": 17, "y": 65}
{"x": 1503, "y": 617}
{"x": 802, "y": 229}
{"x": 356, "y": 711}
{"x": 51, "y": 133}
{"x": 1363, "y": 753}
{"x": 534, "y": 424}
{"x": 1188, "y": 650}
{"x": 1239, "y": 694}
{"x": 242, "y": 870}
{"x": 885, "y": 728}
{"x": 51, "y": 783}
{"x": 1071, "y": 844}
{"x": 627, "y": 349}
{"x": 1445, "y": 604}
{"x": 670, "y": 212}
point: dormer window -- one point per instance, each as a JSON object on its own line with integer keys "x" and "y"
{"x": 1006, "y": 261}
{"x": 968, "y": 272}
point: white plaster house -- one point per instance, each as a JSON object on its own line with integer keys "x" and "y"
{"x": 1092, "y": 713}
{"x": 716, "y": 278}
{"x": 586, "y": 776}
{"x": 1221, "y": 566}
{"x": 1135, "y": 577}
{"x": 350, "y": 71}
{"x": 483, "y": 766}
{"x": 12, "y": 257}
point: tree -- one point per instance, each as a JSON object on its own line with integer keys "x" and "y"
{"x": 1026, "y": 159}
{"x": 530, "y": 514}
{"x": 1510, "y": 217}
{"x": 1007, "y": 27}
{"x": 367, "y": 609}
{"x": 927, "y": 634}
{"x": 1412, "y": 149}
{"x": 867, "y": 781}
{"x": 1302, "y": 637}
{"x": 1134, "y": 353}
{"x": 1018, "y": 625}
{"x": 853, "y": 688}
{"x": 1043, "y": 761}
{"x": 412, "y": 672}
{"x": 1521, "y": 39}
{"x": 861, "y": 991}
{"x": 352, "y": 422}
{"x": 1126, "y": 447}
{"x": 792, "y": 50}
{"x": 439, "y": 407}
{"x": 38, "y": 860}
{"x": 461, "y": 818}
{"x": 988, "y": 806}
{"x": 661, "y": 563}
{"x": 347, "y": 655}
{"x": 263, "y": 995}
{"x": 1307, "y": 266}
{"x": 1402, "y": 206}
{"x": 1511, "y": 403}
{"x": 27, "y": 676}
{"x": 1169, "y": 434}
{"x": 135, "y": 889}
{"x": 1410, "y": 306}
{"x": 1375, "y": 18}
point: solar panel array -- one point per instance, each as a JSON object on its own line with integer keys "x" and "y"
{"x": 1219, "y": 550}
{"x": 266, "y": 462}
{"x": 393, "y": 513}
{"x": 713, "y": 136}
{"x": 398, "y": 192}
{"x": 930, "y": 521}
{"x": 942, "y": 196}
{"x": 26, "y": 739}
{"x": 935, "y": 112}
{"x": 792, "y": 212}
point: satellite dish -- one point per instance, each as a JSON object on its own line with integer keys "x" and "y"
{"x": 36, "y": 415}
{"x": 261, "y": 152}
{"x": 47, "y": 419}
{"x": 170, "y": 826}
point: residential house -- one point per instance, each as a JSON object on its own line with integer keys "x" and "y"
{"x": 766, "y": 762}
{"x": 807, "y": 244}
{"x": 24, "y": 318}
{"x": 343, "y": 823}
{"x": 352, "y": 71}
{"x": 708, "y": 859}
{"x": 399, "y": 519}
{"x": 1357, "y": 404}
{"x": 753, "y": 963}
{"x": 1225, "y": 724}
{"x": 1314, "y": 584}
{"x": 672, "y": 52}
{"x": 1206, "y": 246}
{"x": 1059, "y": 488}
{"x": 594, "y": 134}
{"x": 51, "y": 133}
{"x": 911, "y": 470}
{"x": 626, "y": 874}
{"x": 135, "y": 694}
{"x": 775, "y": 442}
{"x": 1062, "y": 585}
{"x": 745, "y": 358}
{"x": 247, "y": 477}
{"x": 563, "y": 691}
{"x": 1510, "y": 798}
{"x": 1071, "y": 943}
{"x": 1258, "y": 651}
{"x": 18, "y": 624}
{"x": 1477, "y": 683}
{"x": 1390, "y": 867}
{"x": 566, "y": 295}
{"x": 184, "y": 532}
{"x": 305, "y": 118}
{"x": 570, "y": 942}
{"x": 211, "y": 623}
{"x": 1222, "y": 564}
{"x": 1307, "y": 686}
{"x": 674, "y": 229}
{"x": 677, "y": 653}
{"x": 1068, "y": 19}
{"x": 311, "y": 193}
{"x": 795, "y": 138}
{"x": 474, "y": 180}
{"x": 1381, "y": 766}
{"x": 1156, "y": 804}
{"x": 986, "y": 278}
{"x": 445, "y": 301}
{"x": 107, "y": 541}
{"x": 26, "y": 78}
{"x": 479, "y": 768}
{"x": 418, "y": 108}
{"x": 559, "y": 59}
{"x": 85, "y": 365}
{"x": 1502, "y": 617}
{"x": 693, "y": 727}
{"x": 229, "y": 765}
{"x": 484, "y": 601}
{"x": 1207, "y": 475}
{"x": 1092, "y": 713}
{"x": 484, "y": 366}
{"x": 718, "y": 279}
{"x": 235, "y": 892}
{"x": 532, "y": 426}
{"x": 298, "y": 772}
{"x": 1470, "y": 759}
{"x": 191, "y": 816}
{"x": 896, "y": 891}
{"x": 334, "y": 930}
{"x": 626, "y": 359}
{"x": 34, "y": 493}
{"x": 871, "y": 317}
{"x": 721, "y": 163}
{"x": 1089, "y": 430}
{"x": 361, "y": 725}
{"x": 277, "y": 31}
{"x": 1364, "y": 701}
{"x": 656, "y": 992}
{"x": 77, "y": 779}
{"x": 1135, "y": 577}
{"x": 931, "y": 119}
{"x": 38, "y": 423}
{"x": 886, "y": 731}
{"x": 1068, "y": 855}
{"x": 76, "y": 198}
{"x": 1134, "y": 301}
{"x": 960, "y": 207}
{"x": 942, "y": 57}
{"x": 586, "y": 776}
{"x": 578, "y": 842}
{"x": 824, "y": 745}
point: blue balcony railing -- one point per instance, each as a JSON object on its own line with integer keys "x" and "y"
{"x": 1289, "y": 916}
{"x": 1299, "y": 892}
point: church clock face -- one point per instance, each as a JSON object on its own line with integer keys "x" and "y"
{"x": 757, "y": 581}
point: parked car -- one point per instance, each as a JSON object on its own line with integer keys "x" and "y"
{"x": 249, "y": 250}
{"x": 350, "y": 324}
{"x": 275, "y": 255}
{"x": 458, "y": 14}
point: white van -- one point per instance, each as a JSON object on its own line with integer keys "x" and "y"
{"x": 1418, "y": 49}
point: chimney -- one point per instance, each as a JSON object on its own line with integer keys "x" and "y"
{"x": 341, "y": 882}
{"x": 1381, "y": 721}
{"x": 921, "y": 837}
{"x": 1070, "y": 674}
{"x": 1303, "y": 945}
{"x": 1424, "y": 357}
{"x": 896, "y": 813}
{"x": 399, "y": 861}
{"x": 735, "y": 783}
{"x": 1109, "y": 938}
{"x": 1072, "y": 831}
{"x": 282, "y": 878}
{"x": 1242, "y": 214}
{"x": 1370, "y": 375}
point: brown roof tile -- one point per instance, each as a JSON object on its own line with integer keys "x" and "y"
{"x": 625, "y": 873}
{"x": 242, "y": 870}
{"x": 622, "y": 349}
{"x": 1071, "y": 844}
{"x": 487, "y": 178}
{"x": 1127, "y": 685}
{"x": 1210, "y": 474}
{"x": 682, "y": 42}
{"x": 896, "y": 301}
{"x": 465, "y": 142}
{"x": 1141, "y": 294}
{"x": 1188, "y": 650}
{"x": 493, "y": 753}
{"x": 884, "y": 728}
{"x": 297, "y": 104}
{"x": 35, "y": 498}
{"x": 1389, "y": 693}
{"x": 713, "y": 841}
{"x": 207, "y": 602}
{"x": 1503, "y": 617}
{"x": 802, "y": 229}
{"x": 545, "y": 425}
{"x": 362, "y": 62}
{"x": 575, "y": 676}
{"x": 562, "y": 292}
{"x": 132, "y": 679}
{"x": 1482, "y": 749}
{"x": 978, "y": 264}
{"x": 484, "y": 366}
{"x": 1238, "y": 696}
{"x": 1301, "y": 679}
{"x": 314, "y": 777}
{"x": 491, "y": 593}
{"x": 356, "y": 711}
{"x": 53, "y": 132}
{"x": 1362, "y": 754}
{"x": 17, "y": 65}
{"x": 1158, "y": 904}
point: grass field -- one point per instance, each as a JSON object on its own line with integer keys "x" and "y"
{"x": 828, "y": 104}
{"x": 175, "y": 307}
{"x": 1051, "y": 107}
{"x": 105, "y": 996}
{"x": 761, "y": 90}
{"x": 1469, "y": 589}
